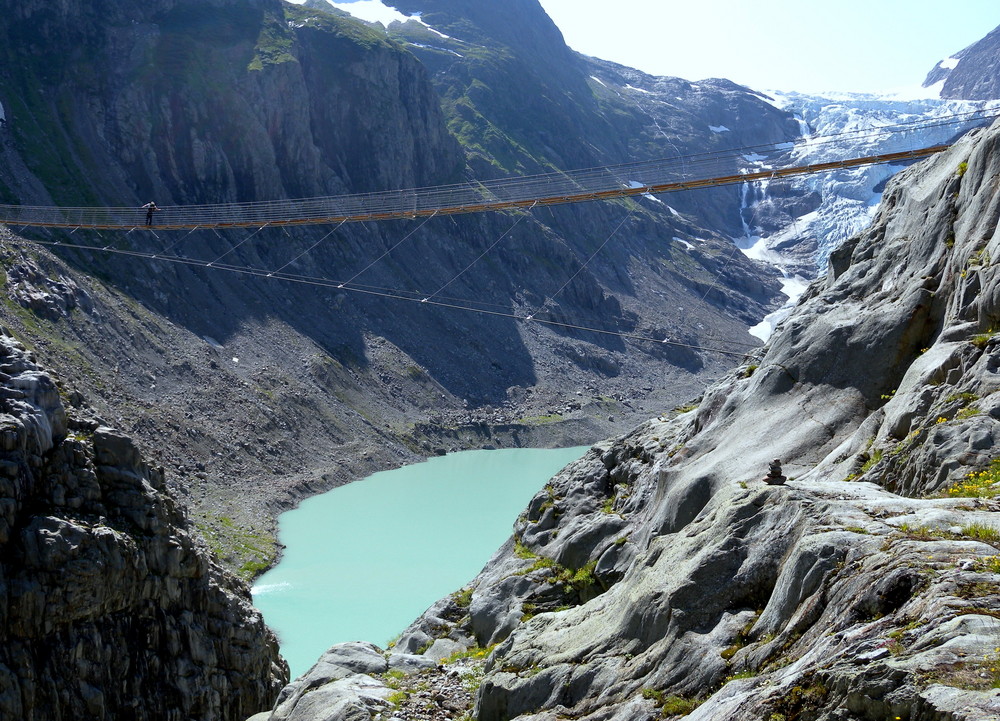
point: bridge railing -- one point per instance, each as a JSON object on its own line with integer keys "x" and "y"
{"x": 657, "y": 176}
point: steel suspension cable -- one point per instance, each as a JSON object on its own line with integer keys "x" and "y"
{"x": 401, "y": 241}
{"x": 307, "y": 250}
{"x": 583, "y": 265}
{"x": 663, "y": 175}
{"x": 520, "y": 217}
{"x": 331, "y": 284}
{"x": 238, "y": 245}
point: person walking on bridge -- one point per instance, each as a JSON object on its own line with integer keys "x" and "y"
{"x": 150, "y": 209}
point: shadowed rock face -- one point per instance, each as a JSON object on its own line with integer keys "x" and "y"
{"x": 662, "y": 570}
{"x": 109, "y": 609}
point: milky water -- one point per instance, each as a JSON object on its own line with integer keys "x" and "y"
{"x": 363, "y": 561}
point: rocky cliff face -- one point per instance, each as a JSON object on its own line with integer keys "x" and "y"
{"x": 972, "y": 73}
{"x": 109, "y": 607}
{"x": 661, "y": 575}
{"x": 193, "y": 102}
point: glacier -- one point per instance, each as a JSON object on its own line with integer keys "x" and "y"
{"x": 799, "y": 246}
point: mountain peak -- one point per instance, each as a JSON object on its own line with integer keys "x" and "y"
{"x": 972, "y": 73}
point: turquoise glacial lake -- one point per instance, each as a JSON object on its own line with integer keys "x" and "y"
{"x": 362, "y": 561}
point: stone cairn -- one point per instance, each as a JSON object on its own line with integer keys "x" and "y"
{"x": 774, "y": 477}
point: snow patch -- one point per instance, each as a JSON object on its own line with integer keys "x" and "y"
{"x": 635, "y": 184}
{"x": 639, "y": 90}
{"x": 435, "y": 47}
{"x": 949, "y": 63}
{"x": 754, "y": 157}
{"x": 598, "y": 80}
{"x": 440, "y": 34}
{"x": 718, "y": 128}
{"x": 376, "y": 11}
{"x": 685, "y": 243}
{"x": 372, "y": 11}
{"x": 792, "y": 287}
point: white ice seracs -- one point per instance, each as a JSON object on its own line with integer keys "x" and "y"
{"x": 848, "y": 198}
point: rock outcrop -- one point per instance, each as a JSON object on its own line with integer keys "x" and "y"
{"x": 109, "y": 606}
{"x": 660, "y": 575}
{"x": 972, "y": 73}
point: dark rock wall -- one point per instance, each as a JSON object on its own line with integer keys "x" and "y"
{"x": 109, "y": 608}
{"x": 200, "y": 102}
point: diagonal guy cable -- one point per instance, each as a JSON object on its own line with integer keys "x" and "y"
{"x": 403, "y": 240}
{"x": 520, "y": 217}
{"x": 323, "y": 283}
{"x": 593, "y": 255}
{"x": 173, "y": 245}
{"x": 235, "y": 247}
{"x": 307, "y": 250}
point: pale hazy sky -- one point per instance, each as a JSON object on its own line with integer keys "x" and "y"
{"x": 844, "y": 45}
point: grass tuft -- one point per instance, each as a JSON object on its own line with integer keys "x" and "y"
{"x": 981, "y": 532}
{"x": 978, "y": 484}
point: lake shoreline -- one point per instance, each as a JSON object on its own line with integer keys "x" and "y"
{"x": 397, "y": 525}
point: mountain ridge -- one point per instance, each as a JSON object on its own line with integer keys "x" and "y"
{"x": 108, "y": 598}
{"x": 971, "y": 73}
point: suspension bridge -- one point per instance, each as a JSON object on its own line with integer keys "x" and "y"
{"x": 655, "y": 177}
{"x": 743, "y": 165}
{"x": 606, "y": 183}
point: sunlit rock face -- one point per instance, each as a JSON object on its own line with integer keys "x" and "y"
{"x": 972, "y": 73}
{"x": 663, "y": 573}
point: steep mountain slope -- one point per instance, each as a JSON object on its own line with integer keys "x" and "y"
{"x": 972, "y": 73}
{"x": 281, "y": 389}
{"x": 110, "y": 607}
{"x": 660, "y": 575}
{"x": 521, "y": 101}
